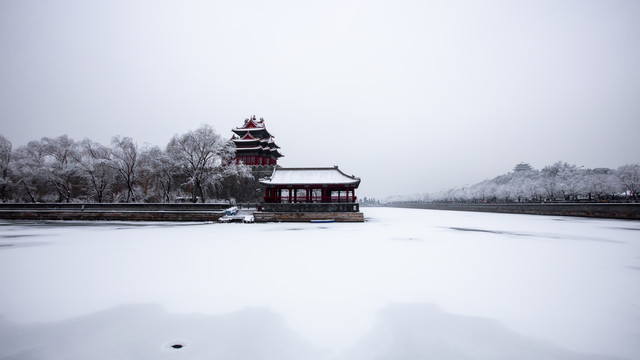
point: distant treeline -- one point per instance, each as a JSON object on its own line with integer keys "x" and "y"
{"x": 196, "y": 166}
{"x": 558, "y": 182}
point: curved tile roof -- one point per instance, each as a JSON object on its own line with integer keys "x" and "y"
{"x": 310, "y": 176}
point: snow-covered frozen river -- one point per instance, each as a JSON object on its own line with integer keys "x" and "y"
{"x": 406, "y": 284}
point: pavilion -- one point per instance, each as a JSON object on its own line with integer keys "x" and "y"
{"x": 313, "y": 191}
{"x": 310, "y": 185}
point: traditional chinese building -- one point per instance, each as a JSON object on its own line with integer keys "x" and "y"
{"x": 310, "y": 185}
{"x": 254, "y": 144}
{"x": 308, "y": 194}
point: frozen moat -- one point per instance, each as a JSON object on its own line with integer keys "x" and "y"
{"x": 405, "y": 284}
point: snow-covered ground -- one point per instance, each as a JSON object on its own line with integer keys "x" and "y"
{"x": 406, "y": 284}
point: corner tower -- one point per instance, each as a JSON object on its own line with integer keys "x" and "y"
{"x": 254, "y": 144}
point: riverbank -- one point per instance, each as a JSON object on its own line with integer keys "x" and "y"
{"x": 594, "y": 210}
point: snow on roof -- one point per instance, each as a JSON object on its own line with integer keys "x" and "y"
{"x": 254, "y": 148}
{"x": 253, "y": 123}
{"x": 258, "y": 133}
{"x": 250, "y": 140}
{"x": 242, "y": 129}
{"x": 310, "y": 176}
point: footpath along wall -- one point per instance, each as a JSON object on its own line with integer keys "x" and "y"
{"x": 172, "y": 212}
{"x": 114, "y": 212}
{"x": 596, "y": 210}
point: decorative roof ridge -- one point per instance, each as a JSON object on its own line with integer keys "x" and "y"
{"x": 253, "y": 122}
{"x": 272, "y": 174}
{"x": 308, "y": 168}
{"x": 250, "y": 129}
{"x": 335, "y": 167}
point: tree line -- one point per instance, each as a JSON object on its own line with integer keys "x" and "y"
{"x": 560, "y": 181}
{"x": 195, "y": 166}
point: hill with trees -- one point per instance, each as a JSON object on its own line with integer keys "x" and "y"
{"x": 560, "y": 181}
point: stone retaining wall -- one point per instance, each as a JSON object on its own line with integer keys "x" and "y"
{"x": 169, "y": 212}
{"x": 112, "y": 212}
{"x": 308, "y": 216}
{"x": 94, "y": 215}
{"x": 119, "y": 206}
{"x": 310, "y": 207}
{"x": 597, "y": 210}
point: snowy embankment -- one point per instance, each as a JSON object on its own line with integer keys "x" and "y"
{"x": 407, "y": 283}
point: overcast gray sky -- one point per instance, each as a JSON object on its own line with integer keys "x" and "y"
{"x": 412, "y": 96}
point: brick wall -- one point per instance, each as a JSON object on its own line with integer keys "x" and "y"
{"x": 597, "y": 210}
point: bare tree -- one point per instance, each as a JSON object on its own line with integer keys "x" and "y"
{"x": 125, "y": 159}
{"x": 165, "y": 173}
{"x": 201, "y": 155}
{"x": 60, "y": 168}
{"x": 629, "y": 177}
{"x": 96, "y": 167}
{"x": 5, "y": 161}
{"x": 157, "y": 175}
{"x": 533, "y": 186}
{"x": 28, "y": 164}
{"x": 598, "y": 183}
{"x": 558, "y": 179}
